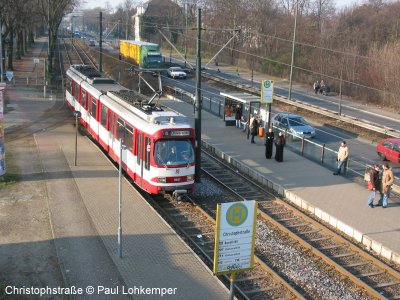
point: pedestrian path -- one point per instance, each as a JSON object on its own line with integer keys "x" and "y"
{"x": 335, "y": 199}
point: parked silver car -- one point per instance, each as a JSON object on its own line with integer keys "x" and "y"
{"x": 295, "y": 124}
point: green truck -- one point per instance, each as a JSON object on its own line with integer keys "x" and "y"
{"x": 145, "y": 55}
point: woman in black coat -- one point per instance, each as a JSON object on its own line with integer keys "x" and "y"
{"x": 269, "y": 141}
{"x": 279, "y": 144}
{"x": 254, "y": 129}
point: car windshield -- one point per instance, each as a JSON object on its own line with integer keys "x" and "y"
{"x": 173, "y": 152}
{"x": 177, "y": 69}
{"x": 297, "y": 122}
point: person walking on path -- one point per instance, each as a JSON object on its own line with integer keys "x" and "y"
{"x": 387, "y": 181}
{"x": 316, "y": 87}
{"x": 374, "y": 184}
{"x": 279, "y": 144}
{"x": 254, "y": 128}
{"x": 269, "y": 141}
{"x": 238, "y": 116}
{"x": 343, "y": 154}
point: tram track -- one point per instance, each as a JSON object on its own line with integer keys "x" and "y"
{"x": 358, "y": 266}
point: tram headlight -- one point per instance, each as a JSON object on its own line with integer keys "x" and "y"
{"x": 162, "y": 179}
{"x": 189, "y": 178}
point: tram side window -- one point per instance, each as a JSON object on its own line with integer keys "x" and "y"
{"x": 111, "y": 122}
{"x": 83, "y": 99}
{"x": 104, "y": 116}
{"x": 94, "y": 108}
{"x": 128, "y": 141}
{"x": 76, "y": 93}
{"x": 139, "y": 145}
{"x": 147, "y": 156}
{"x": 120, "y": 129}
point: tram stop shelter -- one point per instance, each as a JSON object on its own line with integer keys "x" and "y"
{"x": 249, "y": 104}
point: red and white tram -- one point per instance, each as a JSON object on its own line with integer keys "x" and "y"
{"x": 159, "y": 142}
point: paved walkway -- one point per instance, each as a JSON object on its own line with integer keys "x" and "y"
{"x": 335, "y": 199}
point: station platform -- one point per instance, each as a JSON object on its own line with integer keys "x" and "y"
{"x": 334, "y": 199}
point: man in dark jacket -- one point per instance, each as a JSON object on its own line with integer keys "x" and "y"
{"x": 374, "y": 184}
{"x": 238, "y": 115}
{"x": 269, "y": 141}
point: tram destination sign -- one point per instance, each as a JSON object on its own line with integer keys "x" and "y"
{"x": 235, "y": 237}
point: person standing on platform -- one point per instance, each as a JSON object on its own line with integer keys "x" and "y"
{"x": 387, "y": 181}
{"x": 279, "y": 144}
{"x": 374, "y": 184}
{"x": 343, "y": 154}
{"x": 249, "y": 122}
{"x": 254, "y": 128}
{"x": 269, "y": 141}
{"x": 238, "y": 116}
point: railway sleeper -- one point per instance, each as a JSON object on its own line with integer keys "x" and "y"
{"x": 331, "y": 247}
{"x": 362, "y": 275}
{"x": 384, "y": 285}
{"x": 343, "y": 255}
{"x": 359, "y": 264}
{"x": 298, "y": 225}
{"x": 287, "y": 219}
{"x": 250, "y": 278}
{"x": 310, "y": 231}
{"x": 254, "y": 291}
{"x": 320, "y": 239}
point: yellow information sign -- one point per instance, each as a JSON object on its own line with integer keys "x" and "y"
{"x": 235, "y": 237}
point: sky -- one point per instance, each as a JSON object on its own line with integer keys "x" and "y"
{"x": 114, "y": 3}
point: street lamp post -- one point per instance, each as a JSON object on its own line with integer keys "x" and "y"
{"x": 294, "y": 41}
{"x": 77, "y": 115}
{"x": 120, "y": 200}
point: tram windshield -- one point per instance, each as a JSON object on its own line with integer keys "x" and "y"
{"x": 173, "y": 152}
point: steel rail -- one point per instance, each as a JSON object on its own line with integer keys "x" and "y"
{"x": 91, "y": 60}
{"x": 262, "y": 264}
{"x": 353, "y": 277}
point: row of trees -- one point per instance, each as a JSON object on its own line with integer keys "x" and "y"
{"x": 21, "y": 20}
{"x": 353, "y": 49}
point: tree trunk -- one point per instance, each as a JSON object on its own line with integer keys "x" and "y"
{"x": 10, "y": 50}
{"x": 18, "y": 41}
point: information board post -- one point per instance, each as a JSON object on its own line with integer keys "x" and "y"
{"x": 235, "y": 239}
{"x": 2, "y": 142}
{"x": 232, "y": 289}
{"x": 267, "y": 93}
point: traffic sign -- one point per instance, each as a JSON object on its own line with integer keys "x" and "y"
{"x": 9, "y": 75}
{"x": 235, "y": 237}
{"x": 267, "y": 91}
{"x": 36, "y": 60}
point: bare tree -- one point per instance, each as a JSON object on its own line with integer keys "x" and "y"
{"x": 52, "y": 12}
